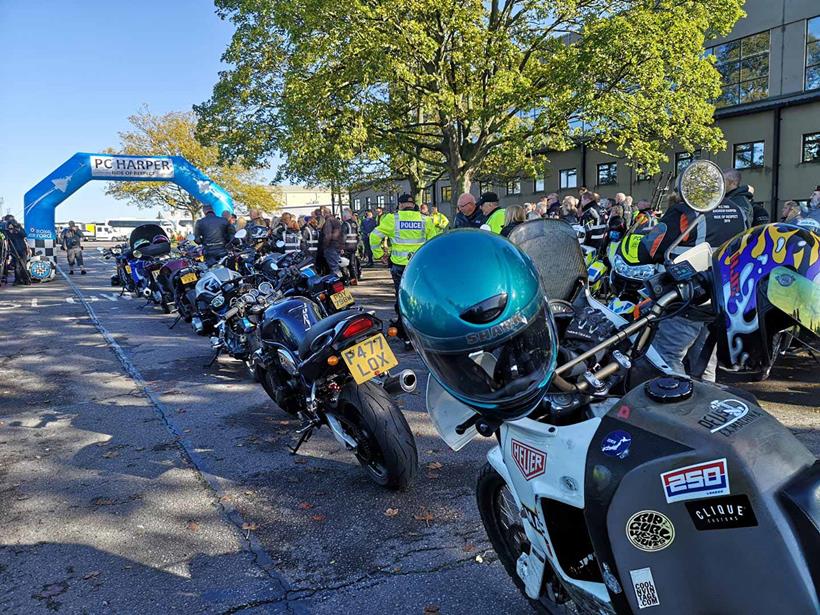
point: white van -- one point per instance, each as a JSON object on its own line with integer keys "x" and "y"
{"x": 104, "y": 233}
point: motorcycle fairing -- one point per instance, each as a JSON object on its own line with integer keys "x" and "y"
{"x": 761, "y": 456}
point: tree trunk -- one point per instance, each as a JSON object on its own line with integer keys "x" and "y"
{"x": 460, "y": 182}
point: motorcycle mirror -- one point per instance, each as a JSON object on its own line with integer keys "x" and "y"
{"x": 137, "y": 254}
{"x": 241, "y": 234}
{"x": 701, "y": 186}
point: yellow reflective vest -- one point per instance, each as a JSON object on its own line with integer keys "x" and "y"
{"x": 406, "y": 230}
{"x": 440, "y": 222}
{"x": 495, "y": 222}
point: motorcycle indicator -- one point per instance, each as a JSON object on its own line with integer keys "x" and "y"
{"x": 369, "y": 358}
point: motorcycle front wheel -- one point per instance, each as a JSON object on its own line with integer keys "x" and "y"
{"x": 386, "y": 446}
{"x": 502, "y": 522}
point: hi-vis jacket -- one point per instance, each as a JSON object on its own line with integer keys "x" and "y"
{"x": 440, "y": 222}
{"x": 406, "y": 230}
{"x": 495, "y": 222}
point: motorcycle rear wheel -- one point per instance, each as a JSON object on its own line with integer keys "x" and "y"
{"x": 502, "y": 522}
{"x": 387, "y": 448}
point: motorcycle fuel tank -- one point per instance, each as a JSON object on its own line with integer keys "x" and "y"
{"x": 684, "y": 503}
{"x": 287, "y": 321}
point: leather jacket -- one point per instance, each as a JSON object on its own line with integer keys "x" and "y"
{"x": 213, "y": 233}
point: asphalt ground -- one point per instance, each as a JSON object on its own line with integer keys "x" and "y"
{"x": 134, "y": 480}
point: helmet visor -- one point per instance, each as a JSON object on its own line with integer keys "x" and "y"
{"x": 510, "y": 370}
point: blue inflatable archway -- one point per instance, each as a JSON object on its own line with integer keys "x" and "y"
{"x": 41, "y": 201}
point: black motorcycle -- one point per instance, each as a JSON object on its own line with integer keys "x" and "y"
{"x": 334, "y": 371}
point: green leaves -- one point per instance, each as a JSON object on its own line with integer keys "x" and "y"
{"x": 419, "y": 88}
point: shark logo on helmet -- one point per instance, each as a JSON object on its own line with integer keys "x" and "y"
{"x": 487, "y": 335}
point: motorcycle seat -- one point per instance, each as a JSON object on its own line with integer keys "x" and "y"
{"x": 319, "y": 329}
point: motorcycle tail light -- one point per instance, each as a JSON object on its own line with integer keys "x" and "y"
{"x": 338, "y": 287}
{"x": 357, "y": 326}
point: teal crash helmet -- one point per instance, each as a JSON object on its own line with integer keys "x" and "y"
{"x": 473, "y": 305}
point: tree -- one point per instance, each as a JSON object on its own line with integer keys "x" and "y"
{"x": 466, "y": 87}
{"x": 173, "y": 134}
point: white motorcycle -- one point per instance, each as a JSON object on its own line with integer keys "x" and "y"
{"x": 679, "y": 495}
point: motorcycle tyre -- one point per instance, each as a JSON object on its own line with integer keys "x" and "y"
{"x": 488, "y": 484}
{"x": 376, "y": 414}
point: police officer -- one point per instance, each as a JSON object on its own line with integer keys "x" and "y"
{"x": 310, "y": 235}
{"x": 213, "y": 233}
{"x": 439, "y": 220}
{"x": 406, "y": 230}
{"x": 350, "y": 233}
{"x": 493, "y": 214}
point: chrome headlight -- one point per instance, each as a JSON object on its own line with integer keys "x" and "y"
{"x": 218, "y": 301}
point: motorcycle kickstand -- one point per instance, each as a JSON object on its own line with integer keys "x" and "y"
{"x": 179, "y": 316}
{"x": 306, "y": 431}
{"x": 214, "y": 358}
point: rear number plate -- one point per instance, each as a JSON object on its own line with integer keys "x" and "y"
{"x": 188, "y": 278}
{"x": 369, "y": 358}
{"x": 341, "y": 299}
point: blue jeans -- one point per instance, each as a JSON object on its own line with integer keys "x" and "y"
{"x": 334, "y": 261}
{"x": 678, "y": 336}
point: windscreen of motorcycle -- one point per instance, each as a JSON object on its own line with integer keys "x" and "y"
{"x": 214, "y": 278}
{"x": 447, "y": 413}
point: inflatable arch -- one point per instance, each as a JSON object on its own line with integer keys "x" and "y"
{"x": 41, "y": 201}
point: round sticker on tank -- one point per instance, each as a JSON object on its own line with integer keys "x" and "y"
{"x": 649, "y": 530}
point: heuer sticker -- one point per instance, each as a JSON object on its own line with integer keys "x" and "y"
{"x": 645, "y": 591}
{"x": 726, "y": 416}
{"x": 722, "y": 513}
{"x": 531, "y": 462}
{"x": 701, "y": 480}
{"x": 616, "y": 444}
{"x": 649, "y": 530}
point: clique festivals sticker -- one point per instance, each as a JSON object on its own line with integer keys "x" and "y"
{"x": 649, "y": 530}
{"x": 722, "y": 513}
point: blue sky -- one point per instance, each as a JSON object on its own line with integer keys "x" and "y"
{"x": 72, "y": 71}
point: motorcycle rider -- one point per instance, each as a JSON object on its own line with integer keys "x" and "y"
{"x": 406, "y": 230}
{"x": 368, "y": 224}
{"x": 213, "y": 233}
{"x": 350, "y": 232}
{"x": 71, "y": 243}
{"x": 740, "y": 194}
{"x": 292, "y": 237}
{"x": 677, "y": 335}
{"x": 331, "y": 241}
{"x": 493, "y": 214}
{"x": 310, "y": 235}
{"x": 16, "y": 236}
{"x": 469, "y": 215}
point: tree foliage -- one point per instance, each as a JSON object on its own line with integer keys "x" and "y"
{"x": 174, "y": 134}
{"x": 464, "y": 88}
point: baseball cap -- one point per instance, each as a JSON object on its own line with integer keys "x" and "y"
{"x": 406, "y": 198}
{"x": 488, "y": 197}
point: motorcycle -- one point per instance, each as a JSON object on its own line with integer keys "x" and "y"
{"x": 601, "y": 503}
{"x": 335, "y": 371}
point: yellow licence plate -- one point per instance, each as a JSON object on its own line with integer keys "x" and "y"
{"x": 369, "y": 358}
{"x": 128, "y": 269}
{"x": 341, "y": 299}
{"x": 188, "y": 278}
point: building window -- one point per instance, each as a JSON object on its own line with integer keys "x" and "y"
{"x": 367, "y": 202}
{"x": 811, "y": 147}
{"x": 425, "y": 196}
{"x": 744, "y": 69}
{"x": 813, "y": 53}
{"x": 607, "y": 173}
{"x": 568, "y": 178}
{"x": 485, "y": 187}
{"x": 513, "y": 187}
{"x": 538, "y": 184}
{"x": 749, "y": 155}
{"x": 357, "y": 204}
{"x": 684, "y": 159}
{"x": 446, "y": 194}
{"x": 380, "y": 200}
{"x": 640, "y": 176}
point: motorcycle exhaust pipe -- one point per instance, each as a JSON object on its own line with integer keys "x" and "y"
{"x": 404, "y": 381}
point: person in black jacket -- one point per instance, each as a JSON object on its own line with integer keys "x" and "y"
{"x": 469, "y": 214}
{"x": 16, "y": 236}
{"x": 740, "y": 194}
{"x": 677, "y": 335}
{"x": 213, "y": 233}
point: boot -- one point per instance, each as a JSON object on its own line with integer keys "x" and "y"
{"x": 70, "y": 272}
{"x": 82, "y": 271}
